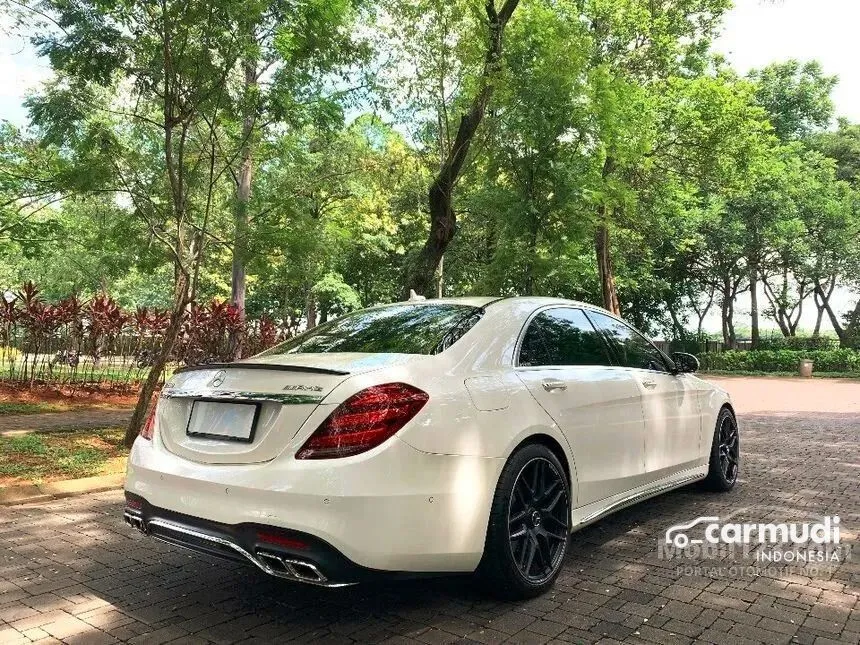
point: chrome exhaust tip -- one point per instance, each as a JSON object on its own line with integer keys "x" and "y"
{"x": 134, "y": 521}
{"x": 290, "y": 568}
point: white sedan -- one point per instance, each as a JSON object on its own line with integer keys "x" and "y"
{"x": 433, "y": 437}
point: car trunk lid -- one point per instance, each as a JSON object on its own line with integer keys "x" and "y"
{"x": 247, "y": 412}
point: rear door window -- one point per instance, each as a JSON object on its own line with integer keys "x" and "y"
{"x": 562, "y": 336}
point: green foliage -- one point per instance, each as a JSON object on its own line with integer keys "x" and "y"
{"x": 605, "y": 113}
{"x": 783, "y": 360}
{"x": 797, "y": 97}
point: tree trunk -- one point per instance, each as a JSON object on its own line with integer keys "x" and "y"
{"x": 443, "y": 219}
{"x": 819, "y": 315}
{"x": 754, "y": 333}
{"x": 181, "y": 300}
{"x": 245, "y": 176}
{"x": 677, "y": 326}
{"x": 311, "y": 310}
{"x": 604, "y": 266}
{"x": 439, "y": 278}
{"x": 834, "y": 319}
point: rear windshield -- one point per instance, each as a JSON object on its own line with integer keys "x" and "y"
{"x": 398, "y": 329}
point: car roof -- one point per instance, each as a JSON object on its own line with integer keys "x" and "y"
{"x": 482, "y": 301}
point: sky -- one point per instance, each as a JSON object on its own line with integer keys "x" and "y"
{"x": 754, "y": 33}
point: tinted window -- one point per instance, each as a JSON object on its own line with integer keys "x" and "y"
{"x": 562, "y": 337}
{"x": 398, "y": 329}
{"x": 632, "y": 349}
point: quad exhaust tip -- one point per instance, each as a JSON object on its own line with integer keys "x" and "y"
{"x": 289, "y": 568}
{"x": 134, "y": 522}
{"x": 272, "y": 563}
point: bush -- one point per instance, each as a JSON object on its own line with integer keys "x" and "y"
{"x": 798, "y": 342}
{"x": 782, "y": 360}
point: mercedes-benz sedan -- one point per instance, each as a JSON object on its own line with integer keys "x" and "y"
{"x": 429, "y": 437}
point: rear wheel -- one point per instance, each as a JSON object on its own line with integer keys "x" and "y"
{"x": 725, "y": 453}
{"x": 529, "y": 525}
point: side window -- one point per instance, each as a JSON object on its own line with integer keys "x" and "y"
{"x": 631, "y": 347}
{"x": 562, "y": 336}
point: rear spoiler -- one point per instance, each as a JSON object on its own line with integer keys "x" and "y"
{"x": 261, "y": 366}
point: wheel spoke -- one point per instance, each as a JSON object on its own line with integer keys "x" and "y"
{"x": 519, "y": 495}
{"x": 537, "y": 480}
{"x": 518, "y": 518}
{"x": 518, "y": 534}
{"x": 555, "y": 536}
{"x": 549, "y": 490}
{"x": 549, "y": 507}
{"x": 532, "y": 547}
{"x": 544, "y": 557}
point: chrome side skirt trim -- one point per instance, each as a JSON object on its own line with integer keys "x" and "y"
{"x": 637, "y": 497}
{"x": 289, "y": 569}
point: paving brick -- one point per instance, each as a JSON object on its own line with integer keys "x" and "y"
{"x": 71, "y": 568}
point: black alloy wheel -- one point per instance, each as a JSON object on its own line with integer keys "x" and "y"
{"x": 724, "y": 463}
{"x": 729, "y": 451}
{"x": 538, "y": 520}
{"x": 529, "y": 525}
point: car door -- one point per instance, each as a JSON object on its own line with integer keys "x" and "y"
{"x": 564, "y": 361}
{"x": 669, "y": 402}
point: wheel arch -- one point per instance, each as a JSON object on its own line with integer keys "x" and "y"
{"x": 558, "y": 450}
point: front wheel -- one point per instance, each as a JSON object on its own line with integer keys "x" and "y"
{"x": 529, "y": 525}
{"x": 725, "y": 454}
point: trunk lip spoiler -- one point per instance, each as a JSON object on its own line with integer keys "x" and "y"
{"x": 227, "y": 396}
{"x": 262, "y": 366}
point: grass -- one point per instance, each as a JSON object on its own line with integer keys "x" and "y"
{"x": 21, "y": 407}
{"x": 52, "y": 456}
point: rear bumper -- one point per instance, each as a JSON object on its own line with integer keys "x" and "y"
{"x": 284, "y": 554}
{"x": 394, "y": 509}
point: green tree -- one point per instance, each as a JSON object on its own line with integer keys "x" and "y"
{"x": 796, "y": 96}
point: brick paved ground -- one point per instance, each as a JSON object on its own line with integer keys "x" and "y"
{"x": 70, "y": 570}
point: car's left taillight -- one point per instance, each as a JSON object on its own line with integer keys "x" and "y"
{"x": 148, "y": 429}
{"x": 364, "y": 421}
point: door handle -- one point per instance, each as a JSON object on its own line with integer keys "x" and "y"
{"x": 552, "y": 384}
{"x": 650, "y": 384}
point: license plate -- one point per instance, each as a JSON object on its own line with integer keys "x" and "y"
{"x": 219, "y": 420}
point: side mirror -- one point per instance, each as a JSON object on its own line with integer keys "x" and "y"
{"x": 686, "y": 363}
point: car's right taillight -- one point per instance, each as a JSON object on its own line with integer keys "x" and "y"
{"x": 364, "y": 421}
{"x": 148, "y": 429}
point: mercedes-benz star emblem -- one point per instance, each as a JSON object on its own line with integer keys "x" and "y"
{"x": 218, "y": 379}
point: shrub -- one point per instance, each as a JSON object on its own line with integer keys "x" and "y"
{"x": 798, "y": 342}
{"x": 782, "y": 360}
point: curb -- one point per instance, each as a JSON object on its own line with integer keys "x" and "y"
{"x": 26, "y": 493}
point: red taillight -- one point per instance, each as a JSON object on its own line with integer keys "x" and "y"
{"x": 364, "y": 421}
{"x": 148, "y": 428}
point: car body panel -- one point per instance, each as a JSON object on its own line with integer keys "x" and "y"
{"x": 600, "y": 414}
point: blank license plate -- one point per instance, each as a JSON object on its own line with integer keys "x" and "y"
{"x": 216, "y": 420}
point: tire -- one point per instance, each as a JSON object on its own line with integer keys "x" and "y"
{"x": 529, "y": 526}
{"x": 724, "y": 463}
